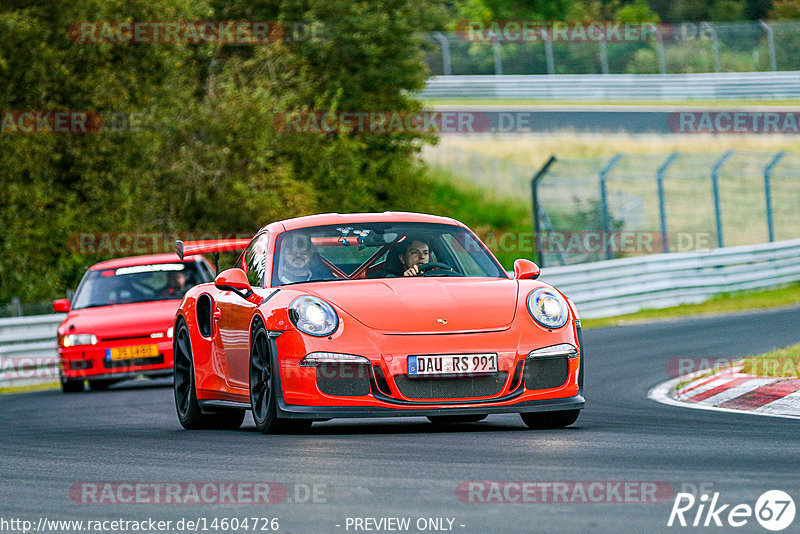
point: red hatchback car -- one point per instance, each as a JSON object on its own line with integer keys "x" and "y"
{"x": 120, "y": 320}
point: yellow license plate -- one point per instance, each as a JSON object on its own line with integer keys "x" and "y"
{"x": 132, "y": 353}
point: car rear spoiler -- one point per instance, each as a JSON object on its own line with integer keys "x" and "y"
{"x": 189, "y": 248}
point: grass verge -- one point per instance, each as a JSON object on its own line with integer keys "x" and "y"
{"x": 724, "y": 303}
{"x": 781, "y": 363}
{"x": 533, "y": 150}
{"x": 32, "y": 387}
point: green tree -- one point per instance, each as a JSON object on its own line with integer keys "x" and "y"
{"x": 59, "y": 184}
{"x": 207, "y": 157}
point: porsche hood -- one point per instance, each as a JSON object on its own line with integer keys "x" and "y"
{"x": 426, "y": 304}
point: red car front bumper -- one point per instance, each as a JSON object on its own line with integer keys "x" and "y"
{"x": 384, "y": 389}
{"x": 95, "y": 361}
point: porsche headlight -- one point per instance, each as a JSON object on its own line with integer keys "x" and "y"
{"x": 548, "y": 308}
{"x": 313, "y": 316}
{"x": 73, "y": 340}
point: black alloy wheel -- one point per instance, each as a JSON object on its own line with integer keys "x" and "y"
{"x": 190, "y": 415}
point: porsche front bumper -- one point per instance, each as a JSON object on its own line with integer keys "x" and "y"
{"x": 290, "y": 411}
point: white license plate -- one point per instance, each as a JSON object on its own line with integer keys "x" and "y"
{"x": 451, "y": 364}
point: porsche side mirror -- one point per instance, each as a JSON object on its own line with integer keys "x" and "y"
{"x": 526, "y": 269}
{"x": 61, "y": 305}
{"x": 234, "y": 280}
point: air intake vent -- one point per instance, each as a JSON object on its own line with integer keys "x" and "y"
{"x": 343, "y": 379}
{"x": 380, "y": 380}
{"x": 546, "y": 373}
{"x": 451, "y": 388}
{"x": 517, "y": 378}
{"x": 203, "y": 311}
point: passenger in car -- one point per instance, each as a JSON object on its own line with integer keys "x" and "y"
{"x": 300, "y": 261}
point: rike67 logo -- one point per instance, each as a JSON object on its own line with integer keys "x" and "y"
{"x": 774, "y": 510}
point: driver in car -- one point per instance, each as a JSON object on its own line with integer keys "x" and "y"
{"x": 176, "y": 285}
{"x": 413, "y": 253}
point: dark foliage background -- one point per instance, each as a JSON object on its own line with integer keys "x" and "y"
{"x": 206, "y": 157}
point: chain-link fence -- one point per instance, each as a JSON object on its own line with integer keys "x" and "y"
{"x": 631, "y": 204}
{"x": 680, "y": 48}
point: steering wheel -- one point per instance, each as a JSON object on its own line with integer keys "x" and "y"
{"x": 427, "y": 269}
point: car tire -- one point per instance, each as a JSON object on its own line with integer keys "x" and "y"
{"x": 543, "y": 420}
{"x": 263, "y": 392}
{"x": 447, "y": 419}
{"x": 71, "y": 386}
{"x": 190, "y": 415}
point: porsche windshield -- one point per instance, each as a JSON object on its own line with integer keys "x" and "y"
{"x": 138, "y": 283}
{"x": 380, "y": 250}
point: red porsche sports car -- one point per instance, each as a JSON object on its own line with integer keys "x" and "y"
{"x": 120, "y": 320}
{"x": 373, "y": 315}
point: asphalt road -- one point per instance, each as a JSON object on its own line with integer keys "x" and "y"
{"x": 407, "y": 468}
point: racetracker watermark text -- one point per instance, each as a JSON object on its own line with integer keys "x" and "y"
{"x": 178, "y": 31}
{"x": 562, "y": 31}
{"x": 567, "y": 492}
{"x": 14, "y": 368}
{"x": 724, "y": 366}
{"x": 566, "y": 242}
{"x": 70, "y": 122}
{"x": 133, "y": 243}
{"x": 403, "y": 122}
{"x": 734, "y": 122}
{"x": 213, "y": 493}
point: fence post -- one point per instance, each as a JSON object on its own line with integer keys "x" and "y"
{"x": 439, "y": 36}
{"x": 603, "y": 56}
{"x": 773, "y": 63}
{"x": 662, "y": 57}
{"x": 715, "y": 186}
{"x": 498, "y": 61}
{"x": 662, "y": 170}
{"x": 768, "y": 193}
{"x": 714, "y": 44}
{"x": 16, "y": 307}
{"x": 535, "y": 203}
{"x": 604, "y": 198}
{"x": 548, "y": 53}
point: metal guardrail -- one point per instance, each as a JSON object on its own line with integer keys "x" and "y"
{"x": 28, "y": 349}
{"x": 625, "y": 87}
{"x": 599, "y": 289}
{"x": 627, "y": 285}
